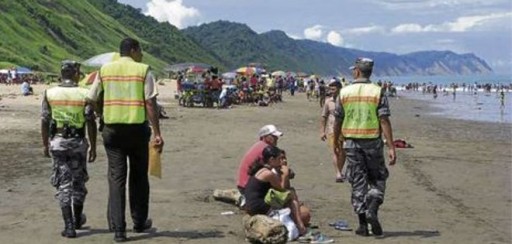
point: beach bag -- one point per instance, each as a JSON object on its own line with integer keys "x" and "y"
{"x": 283, "y": 215}
{"x": 263, "y": 229}
{"x": 277, "y": 199}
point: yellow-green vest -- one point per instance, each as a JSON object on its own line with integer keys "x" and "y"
{"x": 67, "y": 105}
{"x": 360, "y": 102}
{"x": 123, "y": 86}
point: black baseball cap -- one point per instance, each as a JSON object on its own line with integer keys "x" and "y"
{"x": 363, "y": 64}
{"x": 70, "y": 65}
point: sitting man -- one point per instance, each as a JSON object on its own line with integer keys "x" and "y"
{"x": 26, "y": 89}
{"x": 268, "y": 135}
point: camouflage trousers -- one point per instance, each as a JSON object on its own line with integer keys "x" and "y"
{"x": 69, "y": 170}
{"x": 367, "y": 173}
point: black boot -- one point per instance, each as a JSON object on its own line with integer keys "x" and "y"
{"x": 138, "y": 228}
{"x": 363, "y": 226}
{"x": 372, "y": 216}
{"x": 69, "y": 227}
{"x": 120, "y": 236}
{"x": 80, "y": 218}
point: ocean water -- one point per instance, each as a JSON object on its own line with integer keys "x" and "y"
{"x": 505, "y": 79}
{"x": 479, "y": 106}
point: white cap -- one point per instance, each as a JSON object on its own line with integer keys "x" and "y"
{"x": 269, "y": 130}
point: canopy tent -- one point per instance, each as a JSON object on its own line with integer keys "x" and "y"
{"x": 19, "y": 70}
{"x": 23, "y": 70}
{"x": 183, "y": 67}
{"x": 229, "y": 75}
{"x": 302, "y": 74}
{"x": 279, "y": 73}
{"x": 101, "y": 59}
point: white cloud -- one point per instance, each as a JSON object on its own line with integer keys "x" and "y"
{"x": 469, "y": 22}
{"x": 445, "y": 41}
{"x": 314, "y": 32}
{"x": 173, "y": 11}
{"x": 335, "y": 38}
{"x": 407, "y": 28}
{"x": 461, "y": 24}
{"x": 426, "y": 5}
{"x": 295, "y": 37}
{"x": 364, "y": 30}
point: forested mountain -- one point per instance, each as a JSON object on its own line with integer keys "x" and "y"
{"x": 40, "y": 33}
{"x": 236, "y": 43}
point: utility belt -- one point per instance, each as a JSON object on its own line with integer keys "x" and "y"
{"x": 67, "y": 132}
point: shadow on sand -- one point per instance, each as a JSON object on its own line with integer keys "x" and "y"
{"x": 153, "y": 233}
{"x": 192, "y": 234}
{"x": 417, "y": 233}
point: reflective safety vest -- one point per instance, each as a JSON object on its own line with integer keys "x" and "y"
{"x": 123, "y": 85}
{"x": 360, "y": 102}
{"x": 67, "y": 105}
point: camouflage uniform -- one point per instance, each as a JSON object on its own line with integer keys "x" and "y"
{"x": 366, "y": 172}
{"x": 366, "y": 169}
{"x": 69, "y": 157}
{"x": 69, "y": 169}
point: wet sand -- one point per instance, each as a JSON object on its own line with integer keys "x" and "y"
{"x": 454, "y": 186}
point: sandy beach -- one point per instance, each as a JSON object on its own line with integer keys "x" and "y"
{"x": 454, "y": 186}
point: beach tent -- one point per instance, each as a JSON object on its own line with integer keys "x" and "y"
{"x": 279, "y": 73}
{"x": 23, "y": 70}
{"x": 4, "y": 71}
{"x": 229, "y": 75}
{"x": 182, "y": 67}
{"x": 101, "y": 59}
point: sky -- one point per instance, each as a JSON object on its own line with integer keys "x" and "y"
{"x": 483, "y": 28}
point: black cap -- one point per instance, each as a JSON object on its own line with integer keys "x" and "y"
{"x": 363, "y": 64}
{"x": 70, "y": 65}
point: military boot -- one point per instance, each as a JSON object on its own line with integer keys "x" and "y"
{"x": 363, "y": 225}
{"x": 372, "y": 216}
{"x": 80, "y": 218}
{"x": 69, "y": 227}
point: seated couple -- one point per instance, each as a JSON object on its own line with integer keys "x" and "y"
{"x": 272, "y": 172}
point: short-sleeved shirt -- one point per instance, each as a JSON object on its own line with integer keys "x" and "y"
{"x": 254, "y": 153}
{"x": 382, "y": 110}
{"x": 150, "y": 90}
{"x": 328, "y": 112}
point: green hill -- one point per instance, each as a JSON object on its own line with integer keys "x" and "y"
{"x": 40, "y": 33}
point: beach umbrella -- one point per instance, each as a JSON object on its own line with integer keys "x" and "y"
{"x": 196, "y": 69}
{"x": 302, "y": 74}
{"x": 279, "y": 73}
{"x": 101, "y": 59}
{"x": 246, "y": 70}
{"x": 88, "y": 79}
{"x": 229, "y": 75}
{"x": 291, "y": 74}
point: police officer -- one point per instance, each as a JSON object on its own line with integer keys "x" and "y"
{"x": 65, "y": 114}
{"x": 361, "y": 117}
{"x": 129, "y": 102}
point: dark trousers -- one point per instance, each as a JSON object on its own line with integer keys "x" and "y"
{"x": 367, "y": 174}
{"x": 124, "y": 142}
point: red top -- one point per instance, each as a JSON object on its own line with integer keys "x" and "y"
{"x": 254, "y": 81}
{"x": 216, "y": 84}
{"x": 250, "y": 156}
